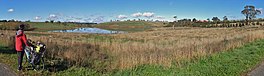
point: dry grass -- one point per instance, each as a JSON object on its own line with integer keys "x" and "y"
{"x": 161, "y": 47}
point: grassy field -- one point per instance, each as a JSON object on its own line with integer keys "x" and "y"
{"x": 157, "y": 51}
{"x": 130, "y": 26}
{"x": 41, "y": 26}
{"x": 232, "y": 62}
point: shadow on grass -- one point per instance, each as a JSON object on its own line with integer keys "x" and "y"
{"x": 56, "y": 66}
{"x": 7, "y": 50}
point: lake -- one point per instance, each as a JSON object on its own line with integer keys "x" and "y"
{"x": 90, "y": 30}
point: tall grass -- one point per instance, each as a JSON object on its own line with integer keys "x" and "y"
{"x": 6, "y": 39}
{"x": 160, "y": 47}
{"x": 164, "y": 47}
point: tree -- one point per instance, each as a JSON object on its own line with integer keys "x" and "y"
{"x": 250, "y": 12}
{"x": 51, "y": 21}
{"x": 3, "y": 20}
{"x": 215, "y": 19}
{"x": 175, "y": 17}
{"x": 27, "y": 21}
{"x": 194, "y": 20}
{"x": 46, "y": 21}
{"x": 208, "y": 19}
{"x": 12, "y": 20}
{"x": 225, "y": 18}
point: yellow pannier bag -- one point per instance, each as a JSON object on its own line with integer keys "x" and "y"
{"x": 38, "y": 49}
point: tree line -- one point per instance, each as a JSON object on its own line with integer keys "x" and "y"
{"x": 249, "y": 11}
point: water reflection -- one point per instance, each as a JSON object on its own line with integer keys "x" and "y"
{"x": 91, "y": 30}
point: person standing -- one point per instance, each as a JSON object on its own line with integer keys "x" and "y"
{"x": 21, "y": 43}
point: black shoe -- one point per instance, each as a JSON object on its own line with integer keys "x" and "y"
{"x": 19, "y": 68}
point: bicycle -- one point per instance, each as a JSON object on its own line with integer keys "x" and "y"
{"x": 36, "y": 57}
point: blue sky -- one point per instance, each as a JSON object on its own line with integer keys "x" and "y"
{"x": 105, "y": 10}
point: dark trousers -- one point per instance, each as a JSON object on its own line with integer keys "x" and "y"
{"x": 20, "y": 55}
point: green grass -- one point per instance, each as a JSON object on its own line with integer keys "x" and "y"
{"x": 129, "y": 26}
{"x": 42, "y": 26}
{"x": 74, "y": 71}
{"x": 8, "y": 55}
{"x": 232, "y": 62}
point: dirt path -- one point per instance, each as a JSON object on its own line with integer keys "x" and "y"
{"x": 259, "y": 71}
{"x": 6, "y": 71}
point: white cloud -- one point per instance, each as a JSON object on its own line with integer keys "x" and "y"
{"x": 37, "y": 18}
{"x": 52, "y": 17}
{"x": 261, "y": 9}
{"x": 98, "y": 19}
{"x": 90, "y": 19}
{"x": 136, "y": 15}
{"x": 160, "y": 17}
{"x": 148, "y": 14}
{"x": 122, "y": 16}
{"x": 81, "y": 21}
{"x": 10, "y": 10}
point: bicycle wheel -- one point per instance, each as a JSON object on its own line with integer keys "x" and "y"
{"x": 42, "y": 63}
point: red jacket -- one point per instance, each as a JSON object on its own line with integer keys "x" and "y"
{"x": 21, "y": 40}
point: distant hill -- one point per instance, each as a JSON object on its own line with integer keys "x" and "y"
{"x": 130, "y": 26}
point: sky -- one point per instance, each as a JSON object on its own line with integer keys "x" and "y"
{"x": 105, "y": 10}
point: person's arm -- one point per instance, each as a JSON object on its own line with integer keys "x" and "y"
{"x": 24, "y": 39}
